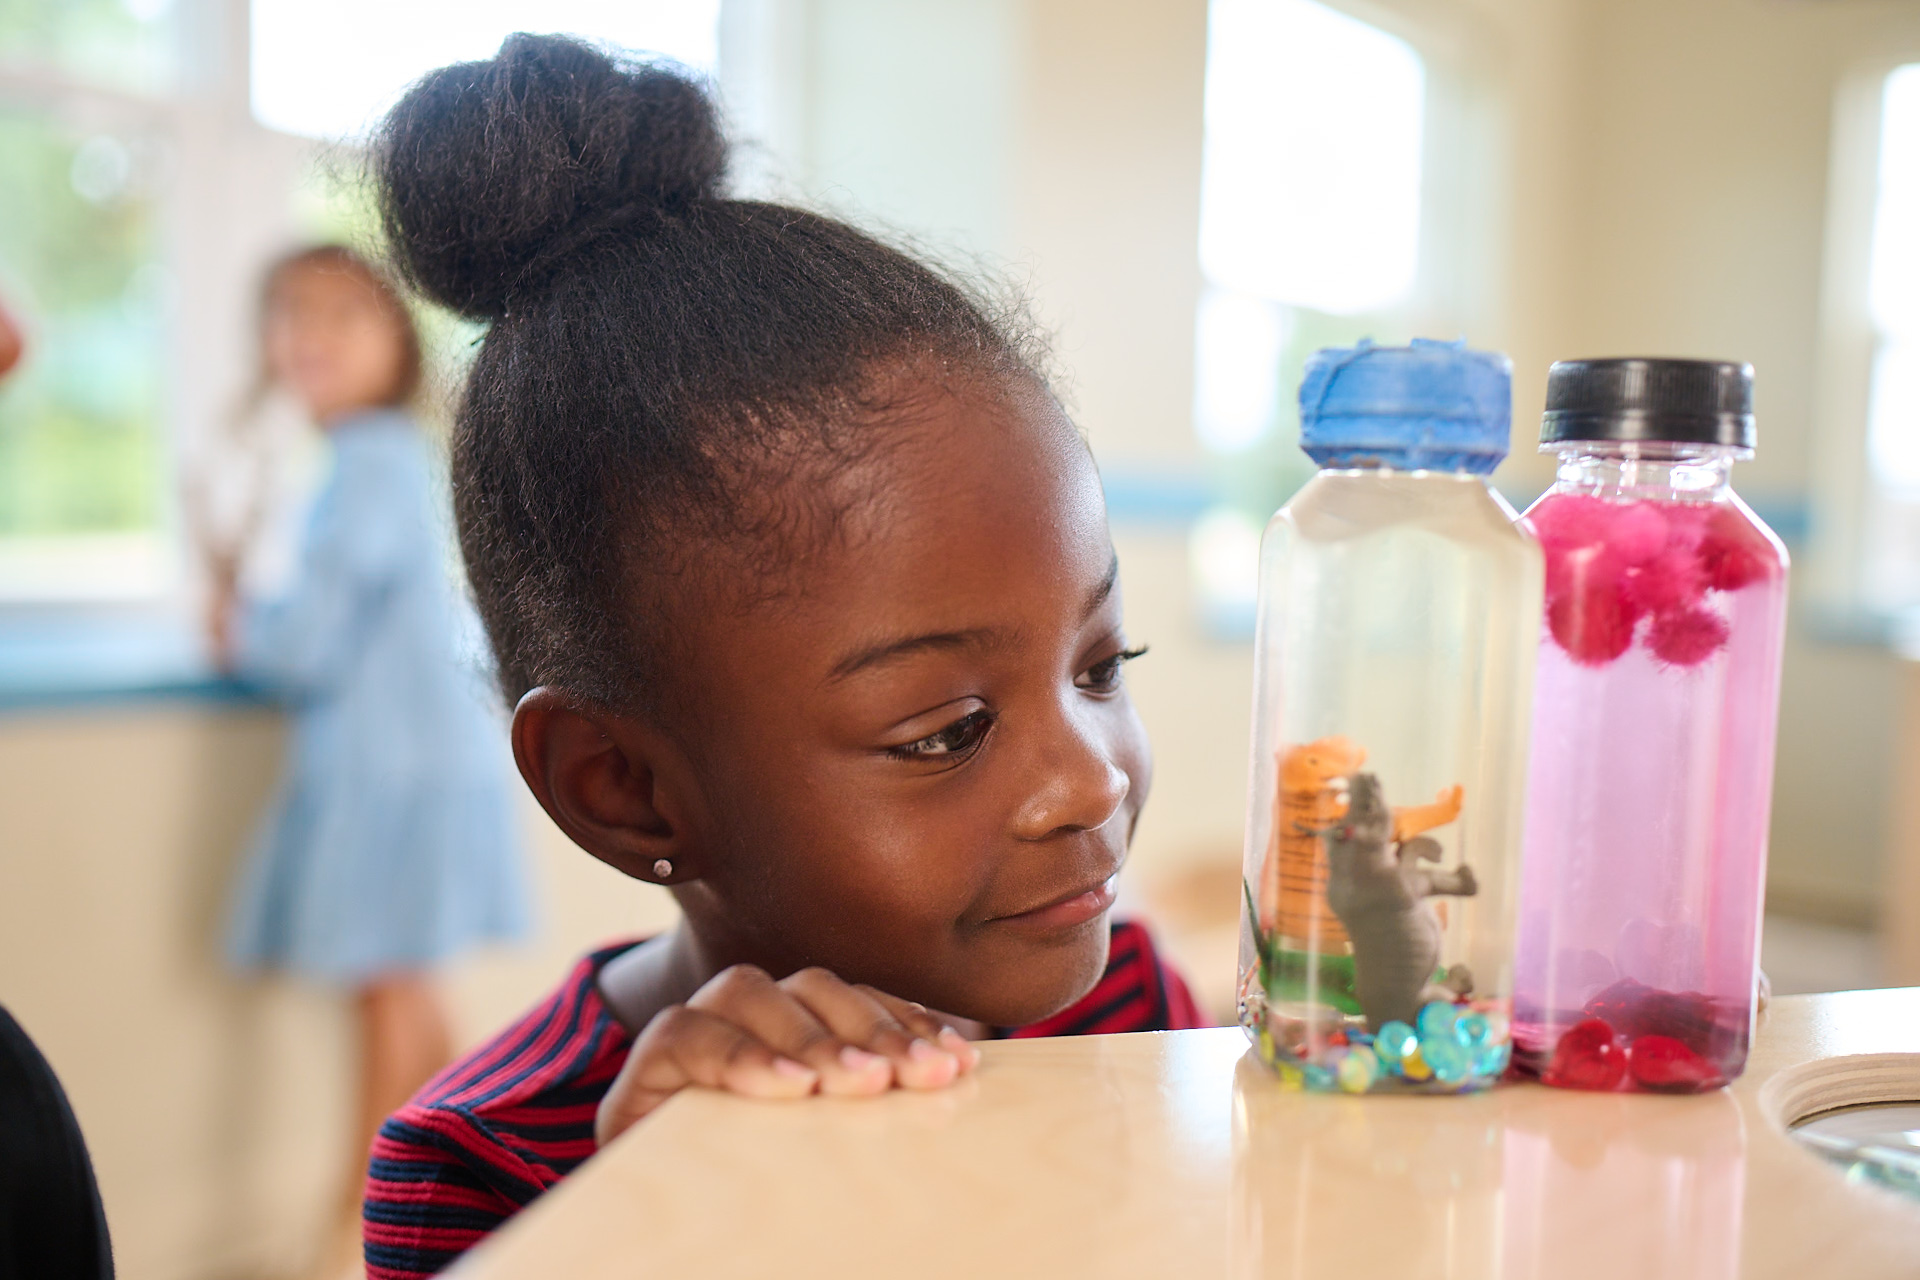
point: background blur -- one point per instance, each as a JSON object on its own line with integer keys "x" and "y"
{"x": 1194, "y": 195}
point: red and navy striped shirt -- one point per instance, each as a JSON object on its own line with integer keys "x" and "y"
{"x": 494, "y": 1130}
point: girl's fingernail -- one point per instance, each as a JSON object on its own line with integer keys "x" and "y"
{"x": 860, "y": 1060}
{"x": 793, "y": 1070}
{"x": 923, "y": 1052}
{"x": 958, "y": 1045}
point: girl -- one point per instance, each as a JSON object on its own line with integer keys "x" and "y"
{"x": 391, "y": 844}
{"x": 800, "y": 583}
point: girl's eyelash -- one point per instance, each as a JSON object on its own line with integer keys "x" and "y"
{"x": 957, "y": 739}
{"x": 1105, "y": 674}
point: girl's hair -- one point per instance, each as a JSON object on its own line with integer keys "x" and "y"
{"x": 665, "y": 368}
{"x": 337, "y": 257}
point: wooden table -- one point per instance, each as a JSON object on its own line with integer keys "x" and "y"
{"x": 1174, "y": 1155}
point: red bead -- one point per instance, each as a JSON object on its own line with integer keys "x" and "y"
{"x": 1634, "y": 1009}
{"x": 1587, "y": 1057}
{"x": 1664, "y": 1064}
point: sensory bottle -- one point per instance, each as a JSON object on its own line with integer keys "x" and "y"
{"x": 1398, "y": 617}
{"x": 1653, "y": 733}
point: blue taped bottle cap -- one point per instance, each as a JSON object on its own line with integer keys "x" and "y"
{"x": 1431, "y": 406}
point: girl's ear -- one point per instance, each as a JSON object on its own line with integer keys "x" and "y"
{"x": 597, "y": 774}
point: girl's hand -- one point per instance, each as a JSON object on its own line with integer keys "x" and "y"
{"x": 810, "y": 1033}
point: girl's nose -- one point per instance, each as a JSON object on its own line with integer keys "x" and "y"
{"x": 1076, "y": 784}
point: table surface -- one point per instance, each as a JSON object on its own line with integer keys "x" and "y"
{"x": 1174, "y": 1154}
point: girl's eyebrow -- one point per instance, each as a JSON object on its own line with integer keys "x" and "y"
{"x": 1104, "y": 591}
{"x": 946, "y": 641}
{"x": 889, "y": 650}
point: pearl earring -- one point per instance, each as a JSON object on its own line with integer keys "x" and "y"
{"x": 662, "y": 869}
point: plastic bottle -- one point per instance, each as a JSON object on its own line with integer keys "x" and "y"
{"x": 1657, "y": 696}
{"x": 1398, "y": 618}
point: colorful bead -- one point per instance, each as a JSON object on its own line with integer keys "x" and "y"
{"x": 1357, "y": 1072}
{"x": 1317, "y": 1077}
{"x": 1414, "y": 1067}
{"x": 1436, "y": 1021}
{"x": 1472, "y": 1030}
{"x": 1491, "y": 1059}
{"x": 1666, "y": 1065}
{"x": 1587, "y": 1057}
{"x": 1448, "y": 1058}
{"x": 1394, "y": 1041}
{"x": 1292, "y": 1078}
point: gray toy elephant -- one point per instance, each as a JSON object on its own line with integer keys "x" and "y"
{"x": 1379, "y": 890}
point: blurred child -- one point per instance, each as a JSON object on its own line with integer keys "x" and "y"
{"x": 391, "y": 844}
{"x": 800, "y": 581}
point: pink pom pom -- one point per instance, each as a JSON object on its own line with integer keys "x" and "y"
{"x": 1686, "y": 637}
{"x": 1638, "y": 533}
{"x": 1733, "y": 554}
{"x": 1670, "y": 581}
{"x": 1594, "y": 624}
{"x": 1569, "y": 520}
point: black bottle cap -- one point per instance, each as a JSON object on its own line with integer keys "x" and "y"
{"x": 1670, "y": 401}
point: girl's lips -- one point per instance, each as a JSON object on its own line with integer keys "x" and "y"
{"x": 1065, "y": 913}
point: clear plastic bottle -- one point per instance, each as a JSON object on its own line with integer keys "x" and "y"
{"x": 1654, "y": 714}
{"x": 1398, "y": 620}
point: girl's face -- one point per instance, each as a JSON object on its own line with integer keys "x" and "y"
{"x": 919, "y": 767}
{"x": 333, "y": 341}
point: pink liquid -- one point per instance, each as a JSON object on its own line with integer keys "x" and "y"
{"x": 1646, "y": 843}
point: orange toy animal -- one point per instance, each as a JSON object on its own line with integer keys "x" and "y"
{"x": 1293, "y": 880}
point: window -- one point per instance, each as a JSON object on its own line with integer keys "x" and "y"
{"x": 1865, "y": 544}
{"x": 1310, "y": 229}
{"x": 85, "y": 160}
{"x": 1893, "y": 309}
{"x": 314, "y": 72}
{"x": 142, "y": 197}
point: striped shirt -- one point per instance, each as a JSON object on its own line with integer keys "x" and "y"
{"x": 494, "y": 1130}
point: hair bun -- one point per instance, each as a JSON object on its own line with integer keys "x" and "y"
{"x": 488, "y": 171}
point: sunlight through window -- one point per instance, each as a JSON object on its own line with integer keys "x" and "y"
{"x": 1893, "y": 289}
{"x": 331, "y": 70}
{"x": 1310, "y": 190}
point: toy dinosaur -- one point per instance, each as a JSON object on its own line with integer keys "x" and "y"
{"x": 1378, "y": 890}
{"x": 1293, "y": 879}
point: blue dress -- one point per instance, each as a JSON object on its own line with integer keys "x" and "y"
{"x": 393, "y": 842}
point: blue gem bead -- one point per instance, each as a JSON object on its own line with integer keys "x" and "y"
{"x": 1394, "y": 1041}
{"x": 1448, "y": 1058}
{"x": 1436, "y": 1022}
{"x": 1491, "y": 1059}
{"x": 1318, "y": 1078}
{"x": 1472, "y": 1029}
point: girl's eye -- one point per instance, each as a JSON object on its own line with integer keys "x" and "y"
{"x": 1104, "y": 677}
{"x": 957, "y": 739}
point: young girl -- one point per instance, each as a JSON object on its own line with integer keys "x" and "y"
{"x": 800, "y": 582}
{"x": 391, "y": 845}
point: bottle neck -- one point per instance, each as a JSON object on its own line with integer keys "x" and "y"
{"x": 1646, "y": 470}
